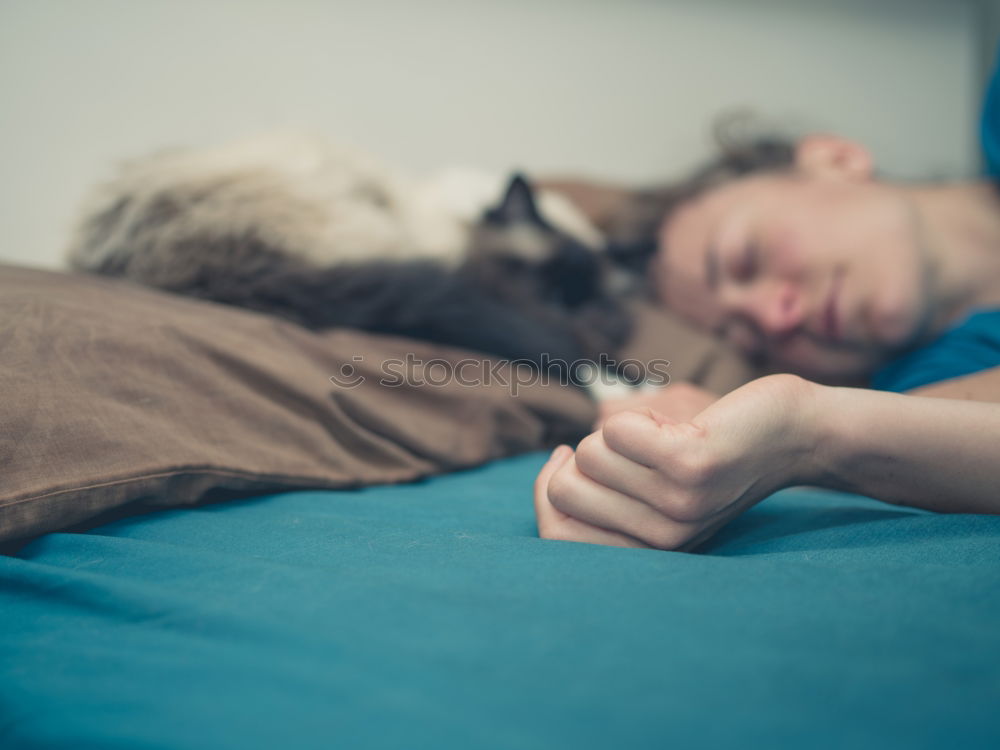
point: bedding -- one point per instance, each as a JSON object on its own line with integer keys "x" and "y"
{"x": 431, "y": 615}
{"x": 116, "y": 398}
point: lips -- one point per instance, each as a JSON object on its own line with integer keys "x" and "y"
{"x": 831, "y": 310}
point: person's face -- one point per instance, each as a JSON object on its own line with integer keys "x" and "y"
{"x": 817, "y": 271}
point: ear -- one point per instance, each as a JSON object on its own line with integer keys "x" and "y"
{"x": 518, "y": 204}
{"x": 833, "y": 156}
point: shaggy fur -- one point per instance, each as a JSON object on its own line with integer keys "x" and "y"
{"x": 326, "y": 237}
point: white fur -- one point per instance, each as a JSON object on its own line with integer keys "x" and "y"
{"x": 327, "y": 202}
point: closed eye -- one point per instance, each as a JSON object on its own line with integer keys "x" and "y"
{"x": 746, "y": 264}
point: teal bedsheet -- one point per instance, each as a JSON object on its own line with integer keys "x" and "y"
{"x": 431, "y": 615}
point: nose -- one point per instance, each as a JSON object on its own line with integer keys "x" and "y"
{"x": 778, "y": 309}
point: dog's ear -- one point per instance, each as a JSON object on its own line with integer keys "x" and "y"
{"x": 518, "y": 205}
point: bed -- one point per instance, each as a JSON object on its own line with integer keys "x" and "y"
{"x": 345, "y": 611}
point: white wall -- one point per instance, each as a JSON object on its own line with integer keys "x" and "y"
{"x": 617, "y": 88}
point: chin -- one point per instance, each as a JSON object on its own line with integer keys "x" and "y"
{"x": 899, "y": 317}
{"x": 828, "y": 376}
{"x": 897, "y": 326}
{"x": 828, "y": 367}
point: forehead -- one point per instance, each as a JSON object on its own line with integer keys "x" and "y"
{"x": 688, "y": 235}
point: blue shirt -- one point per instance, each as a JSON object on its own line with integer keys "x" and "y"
{"x": 970, "y": 346}
{"x": 974, "y": 343}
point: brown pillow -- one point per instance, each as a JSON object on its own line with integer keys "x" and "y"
{"x": 113, "y": 395}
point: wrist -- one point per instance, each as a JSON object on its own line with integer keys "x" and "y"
{"x": 809, "y": 430}
{"x": 791, "y": 436}
{"x": 835, "y": 425}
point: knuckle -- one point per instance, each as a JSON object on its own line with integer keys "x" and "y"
{"x": 616, "y": 422}
{"x": 560, "y": 491}
{"x": 588, "y": 451}
{"x": 686, "y": 506}
{"x": 682, "y": 505}
{"x": 618, "y": 428}
{"x": 690, "y": 471}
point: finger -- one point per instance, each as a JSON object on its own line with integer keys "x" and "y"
{"x": 556, "y": 459}
{"x": 554, "y": 524}
{"x": 657, "y": 416}
{"x": 595, "y": 460}
{"x": 636, "y": 435}
{"x": 568, "y": 529}
{"x": 578, "y": 496}
{"x": 545, "y": 513}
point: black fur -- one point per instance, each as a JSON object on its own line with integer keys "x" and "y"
{"x": 549, "y": 312}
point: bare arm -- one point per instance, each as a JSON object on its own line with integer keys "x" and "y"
{"x": 933, "y": 452}
{"x": 980, "y": 386}
{"x": 644, "y": 479}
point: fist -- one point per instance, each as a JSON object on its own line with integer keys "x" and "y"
{"x": 647, "y": 480}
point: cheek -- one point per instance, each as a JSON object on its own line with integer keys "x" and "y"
{"x": 675, "y": 270}
{"x": 679, "y": 294}
{"x": 896, "y": 295}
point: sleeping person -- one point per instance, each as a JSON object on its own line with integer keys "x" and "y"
{"x": 832, "y": 278}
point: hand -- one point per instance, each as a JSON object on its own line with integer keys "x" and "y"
{"x": 645, "y": 480}
{"x": 680, "y": 402}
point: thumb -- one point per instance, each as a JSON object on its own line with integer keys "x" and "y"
{"x": 658, "y": 417}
